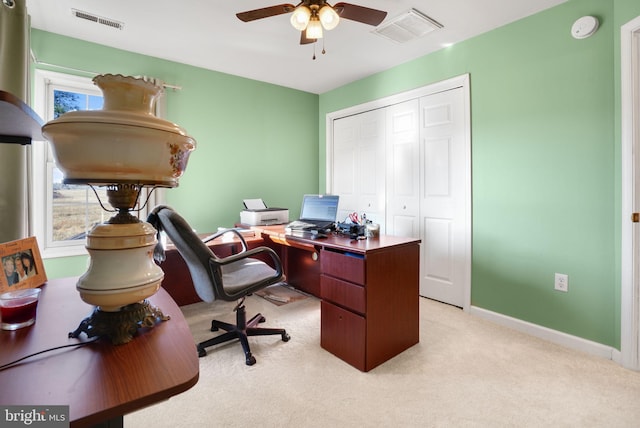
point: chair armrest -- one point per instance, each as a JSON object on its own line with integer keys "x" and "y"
{"x": 222, "y": 232}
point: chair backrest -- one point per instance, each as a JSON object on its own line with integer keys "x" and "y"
{"x": 196, "y": 254}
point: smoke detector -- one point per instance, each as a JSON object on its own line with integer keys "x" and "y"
{"x": 97, "y": 19}
{"x": 410, "y": 25}
{"x": 584, "y": 27}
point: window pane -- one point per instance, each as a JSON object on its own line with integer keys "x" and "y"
{"x": 75, "y": 209}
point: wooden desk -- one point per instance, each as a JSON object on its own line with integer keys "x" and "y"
{"x": 369, "y": 288}
{"x": 100, "y": 382}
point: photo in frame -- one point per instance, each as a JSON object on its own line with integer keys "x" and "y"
{"x": 21, "y": 265}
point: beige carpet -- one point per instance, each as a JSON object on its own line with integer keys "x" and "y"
{"x": 465, "y": 372}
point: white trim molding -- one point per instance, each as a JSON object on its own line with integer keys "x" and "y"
{"x": 630, "y": 239}
{"x": 553, "y": 336}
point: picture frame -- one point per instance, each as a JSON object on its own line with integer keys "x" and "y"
{"x": 21, "y": 265}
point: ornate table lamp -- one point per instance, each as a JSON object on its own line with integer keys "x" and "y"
{"x": 125, "y": 148}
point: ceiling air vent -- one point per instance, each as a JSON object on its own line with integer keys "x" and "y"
{"x": 411, "y": 25}
{"x": 97, "y": 19}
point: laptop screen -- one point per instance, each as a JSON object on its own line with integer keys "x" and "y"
{"x": 319, "y": 207}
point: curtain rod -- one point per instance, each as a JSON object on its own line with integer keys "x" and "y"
{"x": 92, "y": 73}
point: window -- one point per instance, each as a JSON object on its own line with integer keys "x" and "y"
{"x": 61, "y": 214}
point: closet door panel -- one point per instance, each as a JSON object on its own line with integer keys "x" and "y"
{"x": 437, "y": 171}
{"x": 372, "y": 167}
{"x": 403, "y": 169}
{"x": 345, "y": 164}
{"x": 437, "y": 248}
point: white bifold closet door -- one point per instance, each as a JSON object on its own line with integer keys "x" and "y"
{"x": 443, "y": 197}
{"x": 426, "y": 189}
{"x": 407, "y": 166}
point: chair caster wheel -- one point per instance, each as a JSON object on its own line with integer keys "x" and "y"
{"x": 251, "y": 360}
{"x": 202, "y": 352}
{"x": 285, "y": 337}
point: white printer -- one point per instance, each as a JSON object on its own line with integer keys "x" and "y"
{"x": 256, "y": 213}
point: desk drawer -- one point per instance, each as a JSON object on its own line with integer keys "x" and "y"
{"x": 343, "y": 265}
{"x": 343, "y": 334}
{"x": 346, "y": 294}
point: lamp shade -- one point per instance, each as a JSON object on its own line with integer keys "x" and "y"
{"x": 328, "y": 17}
{"x": 314, "y": 29}
{"x": 300, "y": 17}
{"x": 124, "y": 142}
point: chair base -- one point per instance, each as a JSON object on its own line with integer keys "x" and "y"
{"x": 240, "y": 331}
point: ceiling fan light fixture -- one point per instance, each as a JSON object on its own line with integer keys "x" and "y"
{"x": 328, "y": 17}
{"x": 300, "y": 17}
{"x": 314, "y": 29}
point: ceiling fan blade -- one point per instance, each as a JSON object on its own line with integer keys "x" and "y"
{"x": 265, "y": 12}
{"x": 360, "y": 13}
{"x": 304, "y": 40}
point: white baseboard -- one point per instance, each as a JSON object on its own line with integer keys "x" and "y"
{"x": 616, "y": 356}
{"x": 557, "y": 337}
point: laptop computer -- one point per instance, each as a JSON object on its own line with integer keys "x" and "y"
{"x": 318, "y": 212}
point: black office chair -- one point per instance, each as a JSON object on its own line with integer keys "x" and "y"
{"x": 230, "y": 278}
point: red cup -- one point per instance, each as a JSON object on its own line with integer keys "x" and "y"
{"x": 18, "y": 308}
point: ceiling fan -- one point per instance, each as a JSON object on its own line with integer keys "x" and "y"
{"x": 311, "y": 16}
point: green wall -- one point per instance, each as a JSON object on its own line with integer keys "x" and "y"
{"x": 545, "y": 162}
{"x": 545, "y": 153}
{"x": 255, "y": 140}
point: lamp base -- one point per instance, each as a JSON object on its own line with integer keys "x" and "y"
{"x": 120, "y": 326}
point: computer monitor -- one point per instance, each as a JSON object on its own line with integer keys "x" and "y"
{"x": 319, "y": 208}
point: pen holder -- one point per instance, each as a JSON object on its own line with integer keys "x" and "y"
{"x": 372, "y": 230}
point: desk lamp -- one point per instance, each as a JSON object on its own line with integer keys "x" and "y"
{"x": 124, "y": 148}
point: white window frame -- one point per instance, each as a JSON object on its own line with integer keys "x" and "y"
{"x": 42, "y": 163}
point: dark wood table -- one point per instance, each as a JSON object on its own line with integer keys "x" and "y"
{"x": 19, "y": 123}
{"x": 369, "y": 288}
{"x": 100, "y": 382}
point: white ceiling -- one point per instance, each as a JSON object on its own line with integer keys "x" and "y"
{"x": 207, "y": 34}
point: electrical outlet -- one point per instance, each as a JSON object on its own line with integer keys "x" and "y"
{"x": 562, "y": 282}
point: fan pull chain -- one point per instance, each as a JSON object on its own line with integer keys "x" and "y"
{"x": 324, "y": 51}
